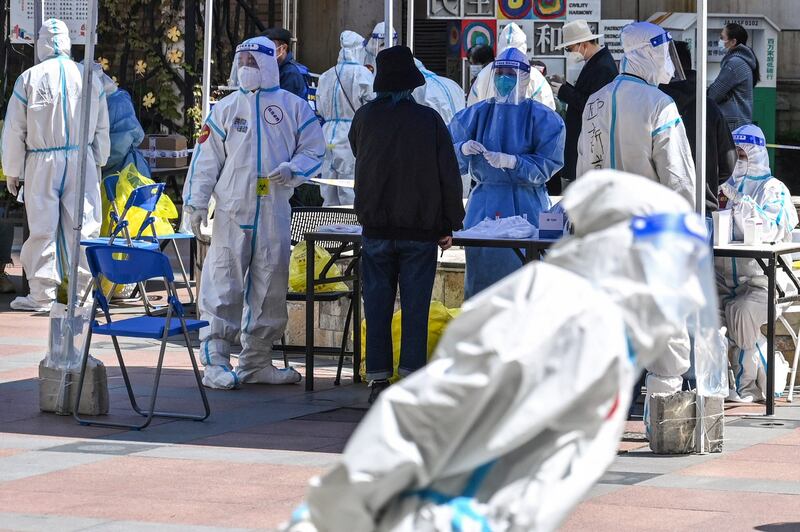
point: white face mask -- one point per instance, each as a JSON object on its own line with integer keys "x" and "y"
{"x": 249, "y": 78}
{"x": 740, "y": 169}
{"x": 474, "y": 70}
{"x": 721, "y": 45}
{"x": 573, "y": 58}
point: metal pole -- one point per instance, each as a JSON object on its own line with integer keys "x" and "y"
{"x": 294, "y": 27}
{"x": 410, "y": 25}
{"x": 207, "y": 35}
{"x": 700, "y": 130}
{"x": 388, "y": 23}
{"x": 285, "y": 15}
{"x": 38, "y": 19}
{"x": 83, "y": 149}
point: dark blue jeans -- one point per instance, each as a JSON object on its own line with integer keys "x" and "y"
{"x": 384, "y": 263}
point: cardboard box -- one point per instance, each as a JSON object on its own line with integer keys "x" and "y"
{"x": 165, "y": 151}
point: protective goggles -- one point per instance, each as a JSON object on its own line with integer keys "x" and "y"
{"x": 658, "y": 40}
{"x": 255, "y": 47}
{"x": 507, "y": 63}
{"x": 749, "y": 139}
{"x": 688, "y": 225}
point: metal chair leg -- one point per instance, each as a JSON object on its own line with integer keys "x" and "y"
{"x": 184, "y": 275}
{"x": 347, "y": 323}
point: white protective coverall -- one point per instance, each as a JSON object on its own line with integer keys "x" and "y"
{"x": 475, "y": 439}
{"x": 752, "y": 192}
{"x": 375, "y": 43}
{"x": 40, "y": 145}
{"x": 246, "y": 272}
{"x": 630, "y": 125}
{"x": 442, "y": 94}
{"x": 539, "y": 89}
{"x": 342, "y": 90}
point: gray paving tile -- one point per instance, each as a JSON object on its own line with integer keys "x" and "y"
{"x": 765, "y": 423}
{"x": 243, "y": 456}
{"x": 141, "y": 526}
{"x": 724, "y": 484}
{"x": 33, "y": 463}
{"x": 102, "y": 447}
{"x": 37, "y": 523}
{"x": 625, "y": 478}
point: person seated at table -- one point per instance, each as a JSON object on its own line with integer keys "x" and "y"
{"x": 752, "y": 192}
{"x": 511, "y": 145}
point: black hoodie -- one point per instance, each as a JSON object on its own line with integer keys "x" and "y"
{"x": 720, "y": 148}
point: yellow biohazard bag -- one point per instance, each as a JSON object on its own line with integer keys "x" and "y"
{"x": 128, "y": 179}
{"x": 438, "y": 318}
{"x": 297, "y": 270}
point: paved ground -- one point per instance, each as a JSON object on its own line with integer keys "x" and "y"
{"x": 247, "y": 466}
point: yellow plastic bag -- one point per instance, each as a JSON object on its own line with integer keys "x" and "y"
{"x": 128, "y": 179}
{"x": 438, "y": 318}
{"x": 297, "y": 270}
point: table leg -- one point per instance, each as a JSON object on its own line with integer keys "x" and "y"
{"x": 770, "y": 393}
{"x": 357, "y": 321}
{"x": 310, "y": 315}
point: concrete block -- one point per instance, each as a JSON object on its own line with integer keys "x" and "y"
{"x": 438, "y": 286}
{"x": 94, "y": 399}
{"x": 673, "y": 420}
{"x": 331, "y": 322}
{"x": 453, "y": 289}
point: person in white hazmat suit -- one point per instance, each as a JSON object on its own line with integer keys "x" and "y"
{"x": 475, "y": 439}
{"x": 630, "y": 125}
{"x": 753, "y": 194}
{"x": 40, "y": 146}
{"x": 375, "y": 43}
{"x": 483, "y": 88}
{"x": 342, "y": 90}
{"x": 441, "y": 94}
{"x": 257, "y": 144}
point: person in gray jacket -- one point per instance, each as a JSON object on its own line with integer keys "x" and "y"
{"x": 738, "y": 76}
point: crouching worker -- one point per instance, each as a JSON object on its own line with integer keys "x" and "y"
{"x": 753, "y": 194}
{"x": 257, "y": 145}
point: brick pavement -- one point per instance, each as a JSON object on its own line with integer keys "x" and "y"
{"x": 247, "y": 466}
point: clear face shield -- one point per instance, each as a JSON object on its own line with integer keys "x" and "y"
{"x": 510, "y": 79}
{"x": 676, "y": 259}
{"x": 672, "y": 61}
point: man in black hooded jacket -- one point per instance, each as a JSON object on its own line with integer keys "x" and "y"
{"x": 720, "y": 149}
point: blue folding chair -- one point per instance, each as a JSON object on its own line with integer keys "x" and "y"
{"x": 122, "y": 265}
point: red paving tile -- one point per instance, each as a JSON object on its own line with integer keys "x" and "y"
{"x": 9, "y": 350}
{"x": 628, "y": 446}
{"x": 792, "y": 438}
{"x": 767, "y": 453}
{"x": 10, "y": 452}
{"x": 613, "y": 518}
{"x": 167, "y": 491}
{"x": 757, "y": 505}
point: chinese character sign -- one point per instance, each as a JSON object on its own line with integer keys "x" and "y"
{"x": 479, "y": 8}
{"x": 444, "y": 8}
{"x": 72, "y": 12}
{"x": 547, "y": 36}
{"x": 770, "y": 59}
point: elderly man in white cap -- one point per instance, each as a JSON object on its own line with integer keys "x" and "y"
{"x": 597, "y": 69}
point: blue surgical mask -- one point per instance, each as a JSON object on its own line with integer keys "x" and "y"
{"x": 505, "y": 84}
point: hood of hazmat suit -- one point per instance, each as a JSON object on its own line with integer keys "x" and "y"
{"x": 647, "y": 53}
{"x": 341, "y": 91}
{"x": 253, "y": 149}
{"x": 53, "y": 40}
{"x": 511, "y": 38}
{"x": 375, "y": 43}
{"x": 40, "y": 145}
{"x": 474, "y": 440}
{"x": 442, "y": 94}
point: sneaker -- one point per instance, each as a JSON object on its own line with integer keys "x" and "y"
{"x": 27, "y": 303}
{"x": 6, "y": 286}
{"x": 377, "y": 387}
